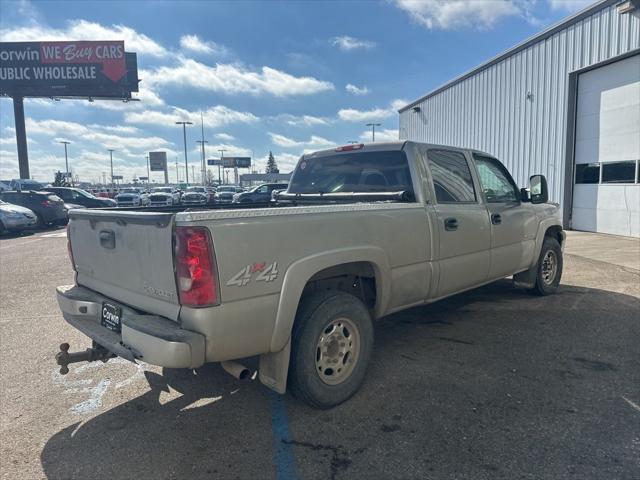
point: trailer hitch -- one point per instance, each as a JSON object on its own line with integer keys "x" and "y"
{"x": 95, "y": 353}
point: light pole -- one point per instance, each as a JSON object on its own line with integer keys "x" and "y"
{"x": 184, "y": 134}
{"x": 148, "y": 176}
{"x": 66, "y": 159}
{"x": 111, "y": 157}
{"x": 373, "y": 130}
{"x": 203, "y": 168}
{"x": 222, "y": 150}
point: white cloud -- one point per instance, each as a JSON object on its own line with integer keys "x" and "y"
{"x": 354, "y": 115}
{"x": 235, "y": 79}
{"x": 302, "y": 120}
{"x": 347, "y": 43}
{"x": 216, "y": 116}
{"x": 57, "y": 128}
{"x": 357, "y": 90}
{"x": 224, "y": 137}
{"x": 384, "y": 135}
{"x": 286, "y": 142}
{"x": 286, "y": 161}
{"x": 569, "y": 5}
{"x": 85, "y": 30}
{"x": 196, "y": 44}
{"x": 459, "y": 14}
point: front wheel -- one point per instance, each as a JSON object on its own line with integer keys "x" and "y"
{"x": 549, "y": 267}
{"x": 331, "y": 346}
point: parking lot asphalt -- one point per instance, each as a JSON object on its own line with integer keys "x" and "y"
{"x": 490, "y": 384}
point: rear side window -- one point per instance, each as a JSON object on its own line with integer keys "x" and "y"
{"x": 451, "y": 177}
{"x": 386, "y": 171}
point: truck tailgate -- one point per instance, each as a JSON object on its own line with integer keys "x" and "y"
{"x": 126, "y": 256}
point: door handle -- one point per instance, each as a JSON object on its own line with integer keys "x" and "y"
{"x": 496, "y": 219}
{"x": 450, "y": 224}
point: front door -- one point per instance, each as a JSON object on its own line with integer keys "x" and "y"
{"x": 463, "y": 223}
{"x": 513, "y": 225}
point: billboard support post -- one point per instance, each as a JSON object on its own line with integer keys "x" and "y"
{"x": 21, "y": 136}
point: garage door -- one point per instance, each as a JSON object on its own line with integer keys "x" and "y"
{"x": 606, "y": 196}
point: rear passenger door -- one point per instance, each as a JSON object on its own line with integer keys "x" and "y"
{"x": 513, "y": 225}
{"x": 462, "y": 223}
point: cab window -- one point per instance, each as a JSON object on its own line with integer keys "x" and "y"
{"x": 497, "y": 184}
{"x": 451, "y": 177}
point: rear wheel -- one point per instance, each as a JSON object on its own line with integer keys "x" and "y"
{"x": 549, "y": 267}
{"x": 331, "y": 347}
{"x": 3, "y": 230}
{"x": 41, "y": 222}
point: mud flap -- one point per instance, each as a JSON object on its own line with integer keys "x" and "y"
{"x": 274, "y": 368}
{"x": 526, "y": 279}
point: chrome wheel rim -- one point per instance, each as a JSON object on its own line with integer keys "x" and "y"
{"x": 549, "y": 267}
{"x": 337, "y": 351}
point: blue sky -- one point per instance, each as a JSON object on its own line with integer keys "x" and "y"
{"x": 286, "y": 77}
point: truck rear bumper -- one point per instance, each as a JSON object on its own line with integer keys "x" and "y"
{"x": 150, "y": 338}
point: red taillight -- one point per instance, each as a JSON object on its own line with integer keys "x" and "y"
{"x": 46, "y": 203}
{"x": 196, "y": 274}
{"x": 348, "y": 148}
{"x": 69, "y": 250}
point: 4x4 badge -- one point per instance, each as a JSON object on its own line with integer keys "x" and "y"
{"x": 266, "y": 273}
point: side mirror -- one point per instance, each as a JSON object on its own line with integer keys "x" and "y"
{"x": 539, "y": 189}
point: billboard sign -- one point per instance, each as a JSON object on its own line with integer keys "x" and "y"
{"x": 231, "y": 162}
{"x": 157, "y": 161}
{"x": 67, "y": 69}
{"x": 117, "y": 177}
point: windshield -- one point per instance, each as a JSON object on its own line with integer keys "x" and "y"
{"x": 226, "y": 189}
{"x": 162, "y": 190}
{"x": 84, "y": 193}
{"x": 354, "y": 172}
{"x": 129, "y": 190}
{"x": 196, "y": 189}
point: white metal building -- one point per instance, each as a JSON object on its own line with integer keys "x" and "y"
{"x": 565, "y": 103}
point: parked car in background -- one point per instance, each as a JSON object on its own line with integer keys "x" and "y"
{"x": 25, "y": 184}
{"x": 203, "y": 190}
{"x": 225, "y": 193}
{"x": 164, "y": 196}
{"x": 77, "y": 196}
{"x": 259, "y": 194}
{"x": 48, "y": 207}
{"x": 14, "y": 218}
{"x": 4, "y": 186}
{"x": 194, "y": 198}
{"x": 131, "y": 197}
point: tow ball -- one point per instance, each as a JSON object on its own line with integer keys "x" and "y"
{"x": 97, "y": 352}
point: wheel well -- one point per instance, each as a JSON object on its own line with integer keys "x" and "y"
{"x": 356, "y": 278}
{"x": 555, "y": 232}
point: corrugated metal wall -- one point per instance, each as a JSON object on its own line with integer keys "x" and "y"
{"x": 516, "y": 109}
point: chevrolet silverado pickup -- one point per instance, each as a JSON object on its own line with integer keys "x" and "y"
{"x": 362, "y": 231}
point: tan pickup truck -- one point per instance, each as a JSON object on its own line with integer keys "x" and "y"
{"x": 362, "y": 231}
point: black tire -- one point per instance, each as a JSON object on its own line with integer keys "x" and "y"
{"x": 2, "y": 229}
{"x": 41, "y": 223}
{"x": 317, "y": 314}
{"x": 546, "y": 281}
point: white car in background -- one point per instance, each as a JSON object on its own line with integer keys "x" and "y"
{"x": 164, "y": 197}
{"x": 14, "y": 218}
{"x": 132, "y": 197}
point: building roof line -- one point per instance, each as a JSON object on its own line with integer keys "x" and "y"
{"x": 552, "y": 30}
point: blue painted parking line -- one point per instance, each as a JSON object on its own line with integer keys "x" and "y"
{"x": 282, "y": 450}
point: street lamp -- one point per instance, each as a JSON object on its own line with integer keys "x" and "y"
{"x": 222, "y": 150}
{"x": 66, "y": 159}
{"x": 203, "y": 163}
{"x": 111, "y": 157}
{"x": 184, "y": 133}
{"x": 373, "y": 130}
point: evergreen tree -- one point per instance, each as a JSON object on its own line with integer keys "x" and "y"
{"x": 272, "y": 166}
{"x": 60, "y": 180}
